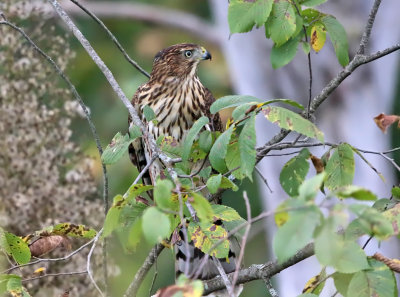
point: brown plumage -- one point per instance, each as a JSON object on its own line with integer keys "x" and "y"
{"x": 177, "y": 97}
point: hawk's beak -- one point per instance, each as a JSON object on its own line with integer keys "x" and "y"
{"x": 205, "y": 55}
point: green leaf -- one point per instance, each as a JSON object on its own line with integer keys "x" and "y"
{"x": 155, "y": 225}
{"x": 112, "y": 219}
{"x": 134, "y": 191}
{"x": 133, "y": 235}
{"x": 247, "y": 143}
{"x": 205, "y": 141}
{"x": 282, "y": 55}
{"x": 219, "y": 149}
{"x": 205, "y": 172}
{"x": 232, "y": 101}
{"x": 309, "y": 189}
{"x": 148, "y": 113}
{"x": 333, "y": 250}
{"x": 296, "y": 232}
{"x": 118, "y": 146}
{"x": 294, "y": 172}
{"x": 9, "y": 281}
{"x": 213, "y": 183}
{"x": 231, "y": 225}
{"x": 356, "y": 192}
{"x": 243, "y": 15}
{"x": 233, "y": 160}
{"x": 72, "y": 230}
{"x": 206, "y": 235}
{"x": 202, "y": 207}
{"x": 225, "y": 213}
{"x": 374, "y": 223}
{"x": 340, "y": 167}
{"x": 306, "y": 47}
{"x": 342, "y": 281}
{"x": 378, "y": 281}
{"x": 282, "y": 22}
{"x": 191, "y": 136}
{"x": 134, "y": 132}
{"x": 338, "y": 37}
{"x": 393, "y": 215}
{"x": 396, "y": 192}
{"x": 162, "y": 193}
{"x": 290, "y": 120}
{"x": 19, "y": 249}
{"x": 311, "y": 3}
{"x": 3, "y": 242}
{"x": 226, "y": 183}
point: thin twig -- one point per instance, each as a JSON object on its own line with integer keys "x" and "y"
{"x": 55, "y": 274}
{"x": 244, "y": 239}
{"x": 40, "y": 260}
{"x": 263, "y": 178}
{"x": 113, "y": 38}
{"x": 89, "y": 257}
{"x": 154, "y": 277}
{"x": 144, "y": 170}
{"x": 141, "y": 273}
{"x": 224, "y": 277}
{"x": 270, "y": 288}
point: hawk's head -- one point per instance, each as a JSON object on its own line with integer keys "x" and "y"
{"x": 179, "y": 60}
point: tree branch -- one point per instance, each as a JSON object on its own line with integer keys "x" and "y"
{"x": 368, "y": 27}
{"x": 113, "y": 38}
{"x": 262, "y": 271}
{"x": 141, "y": 273}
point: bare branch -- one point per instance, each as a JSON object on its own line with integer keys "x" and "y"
{"x": 244, "y": 239}
{"x": 89, "y": 257}
{"x": 141, "y": 273}
{"x": 270, "y": 288}
{"x": 368, "y": 27}
{"x": 224, "y": 277}
{"x": 259, "y": 271}
{"x": 41, "y": 260}
{"x": 113, "y": 38}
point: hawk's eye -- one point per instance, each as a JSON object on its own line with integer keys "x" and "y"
{"x": 188, "y": 54}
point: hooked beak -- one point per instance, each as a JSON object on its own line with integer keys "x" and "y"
{"x": 205, "y": 55}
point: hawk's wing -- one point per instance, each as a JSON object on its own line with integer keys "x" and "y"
{"x": 215, "y": 119}
{"x": 136, "y": 150}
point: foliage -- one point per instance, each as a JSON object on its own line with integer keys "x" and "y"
{"x": 288, "y": 23}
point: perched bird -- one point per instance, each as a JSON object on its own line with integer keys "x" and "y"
{"x": 178, "y": 99}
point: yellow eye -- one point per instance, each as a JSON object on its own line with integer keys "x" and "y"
{"x": 188, "y": 54}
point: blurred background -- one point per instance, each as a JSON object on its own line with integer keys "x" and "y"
{"x": 240, "y": 65}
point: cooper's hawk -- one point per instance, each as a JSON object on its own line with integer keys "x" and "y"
{"x": 178, "y": 99}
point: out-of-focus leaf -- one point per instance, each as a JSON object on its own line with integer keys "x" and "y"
{"x": 155, "y": 225}
{"x": 309, "y": 189}
{"x": 162, "y": 193}
{"x": 311, "y": 3}
{"x": 213, "y": 183}
{"x": 356, "y": 192}
{"x": 202, "y": 207}
{"x": 148, "y": 113}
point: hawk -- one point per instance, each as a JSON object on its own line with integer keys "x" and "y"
{"x": 178, "y": 98}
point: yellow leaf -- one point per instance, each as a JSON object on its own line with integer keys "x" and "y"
{"x": 318, "y": 36}
{"x": 314, "y": 285}
{"x": 40, "y": 271}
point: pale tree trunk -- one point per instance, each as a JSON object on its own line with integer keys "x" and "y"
{"x": 347, "y": 116}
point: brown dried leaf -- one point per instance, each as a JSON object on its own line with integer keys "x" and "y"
{"x": 318, "y": 164}
{"x": 393, "y": 264}
{"x": 47, "y": 244}
{"x": 384, "y": 121}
